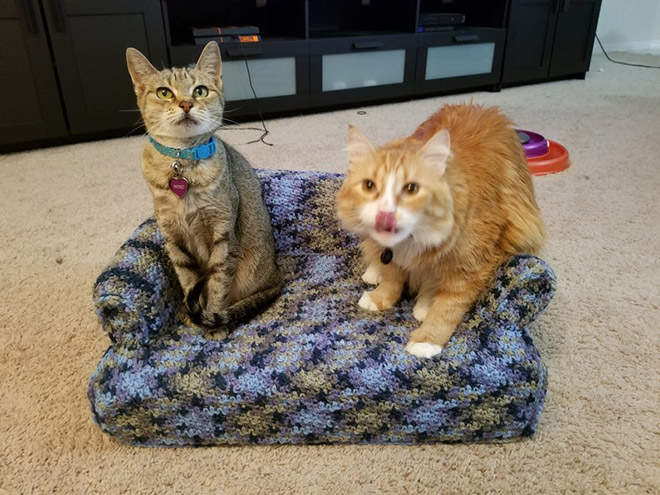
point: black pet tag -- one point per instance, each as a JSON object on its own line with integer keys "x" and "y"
{"x": 386, "y": 256}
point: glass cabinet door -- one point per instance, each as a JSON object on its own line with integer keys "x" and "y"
{"x": 270, "y": 77}
{"x": 360, "y": 70}
{"x": 459, "y": 60}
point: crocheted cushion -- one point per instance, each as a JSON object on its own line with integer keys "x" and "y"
{"x": 313, "y": 367}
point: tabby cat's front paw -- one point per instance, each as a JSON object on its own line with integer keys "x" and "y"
{"x": 423, "y": 349}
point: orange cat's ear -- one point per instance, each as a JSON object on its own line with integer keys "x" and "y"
{"x": 210, "y": 61}
{"x": 358, "y": 146}
{"x": 437, "y": 151}
{"x": 138, "y": 67}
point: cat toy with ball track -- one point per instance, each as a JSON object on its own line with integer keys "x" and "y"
{"x": 544, "y": 156}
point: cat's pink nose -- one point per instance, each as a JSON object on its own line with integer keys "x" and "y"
{"x": 385, "y": 221}
{"x": 186, "y": 106}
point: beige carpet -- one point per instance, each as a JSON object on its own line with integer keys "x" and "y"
{"x": 66, "y": 210}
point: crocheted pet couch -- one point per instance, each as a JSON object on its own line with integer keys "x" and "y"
{"x": 313, "y": 367}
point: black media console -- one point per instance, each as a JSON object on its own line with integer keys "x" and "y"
{"x": 312, "y": 54}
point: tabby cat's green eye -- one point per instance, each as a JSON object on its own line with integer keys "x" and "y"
{"x": 164, "y": 93}
{"x": 201, "y": 92}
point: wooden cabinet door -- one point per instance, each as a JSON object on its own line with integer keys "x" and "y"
{"x": 530, "y": 36}
{"x": 31, "y": 108}
{"x": 574, "y": 37}
{"x": 89, "y": 39}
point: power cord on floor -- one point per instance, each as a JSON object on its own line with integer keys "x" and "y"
{"x": 256, "y": 100}
{"x": 624, "y": 63}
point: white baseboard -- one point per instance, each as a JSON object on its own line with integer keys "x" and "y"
{"x": 651, "y": 47}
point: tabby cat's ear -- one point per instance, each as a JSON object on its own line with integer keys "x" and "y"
{"x": 138, "y": 67}
{"x": 358, "y": 146}
{"x": 210, "y": 62}
{"x": 437, "y": 151}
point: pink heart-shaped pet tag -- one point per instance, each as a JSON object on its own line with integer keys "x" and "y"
{"x": 179, "y": 186}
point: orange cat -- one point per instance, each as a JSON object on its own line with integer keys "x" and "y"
{"x": 439, "y": 211}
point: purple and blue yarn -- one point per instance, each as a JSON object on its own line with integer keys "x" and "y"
{"x": 313, "y": 368}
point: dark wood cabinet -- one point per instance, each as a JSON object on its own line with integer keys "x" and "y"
{"x": 63, "y": 71}
{"x": 530, "y": 34}
{"x": 549, "y": 39}
{"x": 89, "y": 39}
{"x": 63, "y": 67}
{"x": 31, "y": 108}
{"x": 574, "y": 37}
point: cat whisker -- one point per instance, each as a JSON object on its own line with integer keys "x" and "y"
{"x": 137, "y": 126}
{"x": 224, "y": 125}
{"x": 154, "y": 128}
{"x": 229, "y": 124}
{"x": 210, "y": 118}
{"x": 214, "y": 124}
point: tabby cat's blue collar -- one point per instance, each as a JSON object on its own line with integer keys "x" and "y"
{"x": 201, "y": 152}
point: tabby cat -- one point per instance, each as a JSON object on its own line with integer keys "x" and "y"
{"x": 439, "y": 211}
{"x": 207, "y": 198}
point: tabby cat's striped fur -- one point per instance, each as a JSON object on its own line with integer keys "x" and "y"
{"x": 218, "y": 235}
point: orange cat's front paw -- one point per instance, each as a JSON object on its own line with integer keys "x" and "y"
{"x": 371, "y": 301}
{"x": 423, "y": 349}
{"x": 421, "y": 309}
{"x": 367, "y": 303}
{"x": 423, "y": 344}
{"x": 372, "y": 276}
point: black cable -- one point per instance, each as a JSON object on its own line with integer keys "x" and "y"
{"x": 624, "y": 63}
{"x": 256, "y": 99}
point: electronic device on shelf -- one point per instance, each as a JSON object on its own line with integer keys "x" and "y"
{"x": 228, "y": 34}
{"x": 439, "y": 21}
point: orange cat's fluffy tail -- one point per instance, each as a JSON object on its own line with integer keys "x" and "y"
{"x": 524, "y": 229}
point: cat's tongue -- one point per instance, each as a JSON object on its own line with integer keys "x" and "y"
{"x": 385, "y": 222}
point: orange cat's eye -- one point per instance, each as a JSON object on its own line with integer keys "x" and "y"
{"x": 411, "y": 188}
{"x": 368, "y": 185}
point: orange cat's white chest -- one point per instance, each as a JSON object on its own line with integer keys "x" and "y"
{"x": 405, "y": 254}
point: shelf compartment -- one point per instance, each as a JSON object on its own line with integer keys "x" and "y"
{"x": 270, "y": 77}
{"x": 342, "y": 18}
{"x": 276, "y": 19}
{"x": 360, "y": 69}
{"x": 459, "y": 59}
{"x": 279, "y": 71}
{"x": 476, "y": 12}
